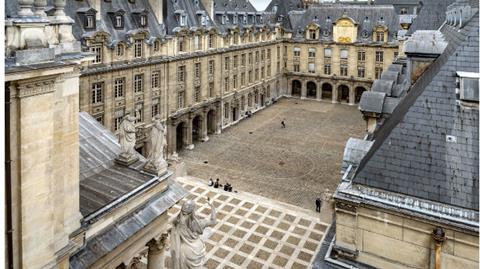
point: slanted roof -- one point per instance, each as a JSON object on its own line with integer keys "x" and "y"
{"x": 411, "y": 154}
{"x": 431, "y": 15}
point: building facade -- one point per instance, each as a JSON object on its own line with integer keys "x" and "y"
{"x": 205, "y": 65}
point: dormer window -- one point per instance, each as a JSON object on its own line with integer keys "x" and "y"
{"x": 380, "y": 36}
{"x": 467, "y": 87}
{"x": 312, "y": 34}
{"x": 143, "y": 20}
{"x": 203, "y": 20}
{"x": 245, "y": 19}
{"x": 235, "y": 19}
{"x": 89, "y": 22}
{"x": 118, "y": 21}
{"x": 183, "y": 20}
{"x": 223, "y": 19}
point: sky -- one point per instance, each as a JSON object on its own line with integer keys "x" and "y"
{"x": 260, "y": 5}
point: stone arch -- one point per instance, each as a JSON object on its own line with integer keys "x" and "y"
{"x": 343, "y": 92}
{"x": 181, "y": 135}
{"x": 358, "y": 93}
{"x": 311, "y": 90}
{"x": 327, "y": 91}
{"x": 296, "y": 88}
{"x": 211, "y": 121}
{"x": 197, "y": 123}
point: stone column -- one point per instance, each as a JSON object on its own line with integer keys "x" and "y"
{"x": 40, "y": 7}
{"x": 319, "y": 90}
{"x": 25, "y": 7}
{"x": 351, "y": 96}
{"x": 334, "y": 93}
{"x": 204, "y": 137}
{"x": 156, "y": 252}
{"x": 188, "y": 134}
{"x": 303, "y": 94}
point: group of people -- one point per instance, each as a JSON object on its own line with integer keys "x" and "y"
{"x": 227, "y": 187}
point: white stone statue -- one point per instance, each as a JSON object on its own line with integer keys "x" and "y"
{"x": 156, "y": 158}
{"x": 127, "y": 138}
{"x": 187, "y": 247}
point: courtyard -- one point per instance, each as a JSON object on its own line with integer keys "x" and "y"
{"x": 294, "y": 165}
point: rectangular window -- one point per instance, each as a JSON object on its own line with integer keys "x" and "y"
{"x": 211, "y": 67}
{"x": 263, "y": 55}
{"x": 211, "y": 89}
{"x": 97, "y": 94}
{"x": 343, "y": 70}
{"x": 155, "y": 79}
{"x": 327, "y": 70}
{"x": 250, "y": 58}
{"x": 378, "y": 72}
{"x": 138, "y": 113}
{"x": 118, "y": 87}
{"x": 225, "y": 111}
{"x": 257, "y": 75}
{"x": 227, "y": 63}
{"x": 343, "y": 54}
{"x": 313, "y": 34}
{"x": 380, "y": 36}
{"x": 296, "y": 68}
{"x": 257, "y": 56}
{"x": 327, "y": 52}
{"x": 269, "y": 70}
{"x": 235, "y": 82}
{"x": 197, "y": 70}
{"x": 181, "y": 74}
{"x": 379, "y": 56}
{"x": 225, "y": 84}
{"x": 211, "y": 41}
{"x": 181, "y": 44}
{"x": 250, "y": 77}
{"x": 311, "y": 52}
{"x": 197, "y": 94}
{"x": 263, "y": 72}
{"x": 138, "y": 83}
{"x": 97, "y": 49}
{"x": 242, "y": 79}
{"x": 155, "y": 107}
{"x": 235, "y": 61}
{"x": 361, "y": 72}
{"x": 269, "y": 54}
{"x": 138, "y": 48}
{"x": 278, "y": 52}
{"x": 181, "y": 99}
{"x": 311, "y": 68}
{"x": 197, "y": 42}
{"x": 244, "y": 59}
{"x": 361, "y": 56}
{"x": 296, "y": 52}
{"x": 118, "y": 117}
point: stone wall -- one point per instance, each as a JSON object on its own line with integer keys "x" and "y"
{"x": 390, "y": 240}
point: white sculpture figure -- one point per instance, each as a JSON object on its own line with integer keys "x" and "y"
{"x": 187, "y": 247}
{"x": 127, "y": 138}
{"x": 156, "y": 158}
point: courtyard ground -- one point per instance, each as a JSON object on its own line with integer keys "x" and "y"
{"x": 294, "y": 165}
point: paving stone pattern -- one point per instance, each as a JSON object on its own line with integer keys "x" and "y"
{"x": 295, "y": 164}
{"x": 253, "y": 231}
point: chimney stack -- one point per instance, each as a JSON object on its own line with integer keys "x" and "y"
{"x": 422, "y": 48}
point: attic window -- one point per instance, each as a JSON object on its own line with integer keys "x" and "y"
{"x": 467, "y": 86}
{"x": 183, "y": 20}
{"x": 118, "y": 21}
{"x": 89, "y": 22}
{"x": 143, "y": 20}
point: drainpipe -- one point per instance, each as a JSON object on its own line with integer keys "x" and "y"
{"x": 439, "y": 237}
{"x": 8, "y": 182}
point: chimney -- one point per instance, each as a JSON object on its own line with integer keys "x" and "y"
{"x": 421, "y": 49}
{"x": 157, "y": 7}
{"x": 97, "y": 5}
{"x": 208, "y": 4}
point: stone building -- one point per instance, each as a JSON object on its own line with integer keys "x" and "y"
{"x": 68, "y": 203}
{"x": 204, "y": 65}
{"x": 411, "y": 200}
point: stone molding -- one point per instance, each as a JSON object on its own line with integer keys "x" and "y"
{"x": 34, "y": 87}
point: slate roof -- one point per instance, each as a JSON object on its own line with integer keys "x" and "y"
{"x": 431, "y": 16}
{"x": 410, "y": 154}
{"x": 101, "y": 180}
{"x": 113, "y": 236}
{"x": 154, "y": 28}
{"x": 367, "y": 17}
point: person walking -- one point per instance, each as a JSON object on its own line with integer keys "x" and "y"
{"x": 217, "y": 184}
{"x": 318, "y": 203}
{"x": 283, "y": 123}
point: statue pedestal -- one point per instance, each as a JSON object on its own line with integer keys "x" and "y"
{"x": 159, "y": 170}
{"x": 126, "y": 160}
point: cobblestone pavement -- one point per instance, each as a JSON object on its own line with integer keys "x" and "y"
{"x": 253, "y": 231}
{"x": 295, "y": 164}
